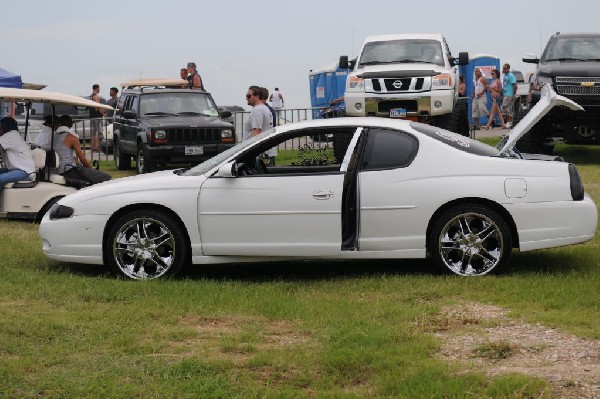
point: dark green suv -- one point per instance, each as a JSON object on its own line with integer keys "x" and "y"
{"x": 158, "y": 126}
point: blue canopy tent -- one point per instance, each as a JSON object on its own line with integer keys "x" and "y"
{"x": 8, "y": 79}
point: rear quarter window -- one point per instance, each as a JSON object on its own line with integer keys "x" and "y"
{"x": 388, "y": 149}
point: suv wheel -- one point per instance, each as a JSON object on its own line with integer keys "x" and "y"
{"x": 122, "y": 161}
{"x": 142, "y": 164}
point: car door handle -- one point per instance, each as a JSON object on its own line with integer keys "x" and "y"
{"x": 323, "y": 194}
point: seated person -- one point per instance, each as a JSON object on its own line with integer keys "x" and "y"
{"x": 65, "y": 143}
{"x": 44, "y": 138}
{"x": 16, "y": 155}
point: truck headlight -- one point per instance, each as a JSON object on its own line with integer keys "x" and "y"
{"x": 442, "y": 81}
{"x": 160, "y": 134}
{"x": 227, "y": 136}
{"x": 541, "y": 81}
{"x": 355, "y": 83}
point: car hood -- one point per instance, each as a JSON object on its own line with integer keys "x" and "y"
{"x": 569, "y": 68}
{"x": 185, "y": 121}
{"x": 549, "y": 99}
{"x": 399, "y": 70}
{"x": 141, "y": 185}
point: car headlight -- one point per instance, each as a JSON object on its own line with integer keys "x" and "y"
{"x": 60, "y": 212}
{"x": 541, "y": 81}
{"x": 354, "y": 83}
{"x": 160, "y": 134}
{"x": 443, "y": 81}
{"x": 226, "y": 134}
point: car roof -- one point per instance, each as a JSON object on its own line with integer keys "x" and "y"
{"x": 48, "y": 97}
{"x": 156, "y": 83}
{"x": 400, "y": 36}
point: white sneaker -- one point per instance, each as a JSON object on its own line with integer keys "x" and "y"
{"x": 508, "y": 125}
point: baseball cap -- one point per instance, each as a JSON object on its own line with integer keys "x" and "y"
{"x": 191, "y": 65}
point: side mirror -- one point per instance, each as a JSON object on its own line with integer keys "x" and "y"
{"x": 531, "y": 59}
{"x": 226, "y": 114}
{"x": 463, "y": 58}
{"x": 228, "y": 170}
{"x": 128, "y": 114}
{"x": 344, "y": 64}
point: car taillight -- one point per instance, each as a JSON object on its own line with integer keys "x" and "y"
{"x": 577, "y": 192}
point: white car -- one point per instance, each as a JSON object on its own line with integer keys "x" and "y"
{"x": 399, "y": 189}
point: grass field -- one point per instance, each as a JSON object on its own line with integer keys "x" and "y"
{"x": 276, "y": 330}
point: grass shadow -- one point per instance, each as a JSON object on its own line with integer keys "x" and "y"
{"x": 310, "y": 270}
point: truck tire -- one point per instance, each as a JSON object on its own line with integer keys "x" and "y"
{"x": 457, "y": 121}
{"x": 533, "y": 142}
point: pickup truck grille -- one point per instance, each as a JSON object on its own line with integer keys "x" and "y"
{"x": 193, "y": 135}
{"x": 399, "y": 84}
{"x": 583, "y": 86}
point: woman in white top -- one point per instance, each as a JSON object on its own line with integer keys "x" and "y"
{"x": 16, "y": 155}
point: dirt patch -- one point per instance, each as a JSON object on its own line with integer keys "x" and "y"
{"x": 485, "y": 339}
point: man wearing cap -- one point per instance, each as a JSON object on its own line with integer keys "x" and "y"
{"x": 194, "y": 80}
{"x": 44, "y": 138}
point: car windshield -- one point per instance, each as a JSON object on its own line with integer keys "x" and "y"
{"x": 210, "y": 163}
{"x": 402, "y": 51}
{"x": 178, "y": 103}
{"x": 572, "y": 49}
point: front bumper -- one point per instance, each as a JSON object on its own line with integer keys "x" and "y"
{"x": 176, "y": 153}
{"x": 417, "y": 105}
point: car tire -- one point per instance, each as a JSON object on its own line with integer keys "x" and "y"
{"x": 457, "y": 121}
{"x": 142, "y": 163}
{"x": 122, "y": 161}
{"x": 470, "y": 240}
{"x": 145, "y": 245}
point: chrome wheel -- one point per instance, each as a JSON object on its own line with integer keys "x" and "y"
{"x": 471, "y": 241}
{"x": 144, "y": 248}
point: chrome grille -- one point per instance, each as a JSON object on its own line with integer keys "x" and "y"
{"x": 193, "y": 135}
{"x": 572, "y": 85}
{"x": 399, "y": 85}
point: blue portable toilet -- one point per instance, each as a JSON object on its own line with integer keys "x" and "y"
{"x": 486, "y": 63}
{"x": 326, "y": 84}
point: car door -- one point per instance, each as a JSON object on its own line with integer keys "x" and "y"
{"x": 389, "y": 218}
{"x": 294, "y": 209}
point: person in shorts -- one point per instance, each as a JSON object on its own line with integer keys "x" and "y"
{"x": 479, "y": 104}
{"x": 509, "y": 89}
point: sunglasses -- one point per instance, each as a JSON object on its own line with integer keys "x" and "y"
{"x": 250, "y": 95}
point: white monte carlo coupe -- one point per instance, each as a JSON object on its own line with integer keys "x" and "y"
{"x": 347, "y": 188}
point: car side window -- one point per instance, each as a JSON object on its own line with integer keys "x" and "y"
{"x": 388, "y": 149}
{"x": 308, "y": 152}
{"x": 134, "y": 104}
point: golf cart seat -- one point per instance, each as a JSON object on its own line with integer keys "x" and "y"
{"x": 39, "y": 158}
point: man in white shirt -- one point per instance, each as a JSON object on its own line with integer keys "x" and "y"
{"x": 277, "y": 99}
{"x": 16, "y": 155}
{"x": 44, "y": 138}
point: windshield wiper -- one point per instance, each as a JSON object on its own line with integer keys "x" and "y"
{"x": 192, "y": 113}
{"x": 567, "y": 59}
{"x": 157, "y": 113}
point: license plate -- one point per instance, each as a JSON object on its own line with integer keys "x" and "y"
{"x": 195, "y": 150}
{"x": 398, "y": 113}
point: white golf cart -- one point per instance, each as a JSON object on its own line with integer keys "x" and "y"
{"x": 31, "y": 199}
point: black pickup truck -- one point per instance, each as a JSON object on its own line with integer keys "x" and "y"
{"x": 571, "y": 64}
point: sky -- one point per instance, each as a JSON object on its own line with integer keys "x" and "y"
{"x": 70, "y": 45}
